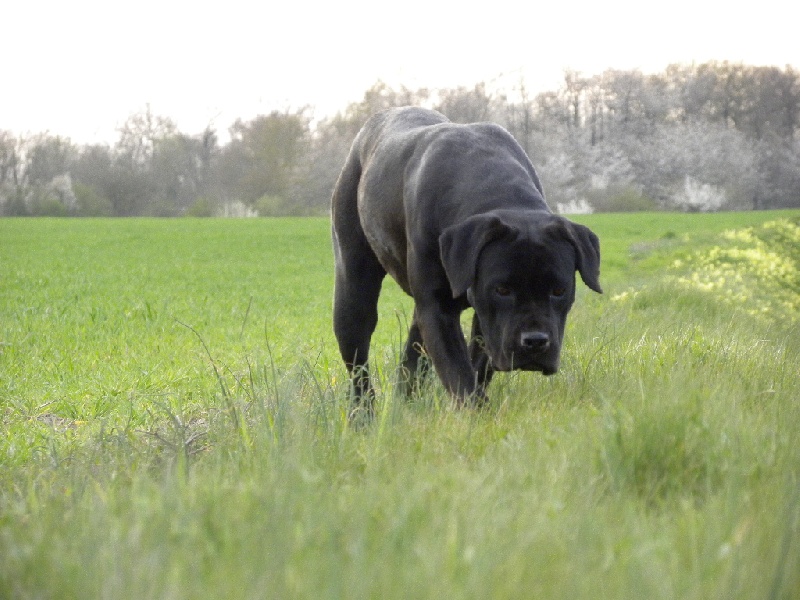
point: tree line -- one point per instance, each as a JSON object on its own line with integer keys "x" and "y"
{"x": 695, "y": 137}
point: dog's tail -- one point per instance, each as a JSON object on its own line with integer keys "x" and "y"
{"x": 345, "y": 191}
{"x": 344, "y": 201}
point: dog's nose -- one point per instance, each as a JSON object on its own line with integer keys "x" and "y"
{"x": 536, "y": 341}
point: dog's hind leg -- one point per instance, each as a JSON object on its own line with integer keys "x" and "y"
{"x": 358, "y": 278}
{"x": 355, "y": 316}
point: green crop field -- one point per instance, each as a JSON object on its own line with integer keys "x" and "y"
{"x": 174, "y": 424}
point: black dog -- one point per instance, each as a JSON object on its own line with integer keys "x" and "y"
{"x": 456, "y": 215}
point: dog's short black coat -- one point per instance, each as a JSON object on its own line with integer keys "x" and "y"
{"x": 457, "y": 216}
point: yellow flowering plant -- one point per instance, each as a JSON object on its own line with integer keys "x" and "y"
{"x": 757, "y": 267}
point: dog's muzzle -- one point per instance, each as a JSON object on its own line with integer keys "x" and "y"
{"x": 534, "y": 341}
{"x": 532, "y": 351}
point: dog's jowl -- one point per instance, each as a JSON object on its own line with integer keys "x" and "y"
{"x": 457, "y": 216}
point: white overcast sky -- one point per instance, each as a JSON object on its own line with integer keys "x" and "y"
{"x": 79, "y": 68}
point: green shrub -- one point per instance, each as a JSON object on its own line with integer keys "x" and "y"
{"x": 278, "y": 206}
{"x": 44, "y": 203}
{"x": 620, "y": 199}
{"x": 202, "y": 207}
{"x": 92, "y": 203}
{"x": 161, "y": 206}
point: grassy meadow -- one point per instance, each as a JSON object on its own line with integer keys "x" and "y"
{"x": 173, "y": 415}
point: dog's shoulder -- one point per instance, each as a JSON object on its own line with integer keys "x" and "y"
{"x": 395, "y": 127}
{"x": 400, "y": 119}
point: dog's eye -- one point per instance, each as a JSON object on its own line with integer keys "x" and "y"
{"x": 558, "y": 292}
{"x": 502, "y": 291}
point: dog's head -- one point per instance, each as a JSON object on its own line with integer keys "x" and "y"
{"x": 517, "y": 269}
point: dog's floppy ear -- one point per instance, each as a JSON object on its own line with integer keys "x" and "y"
{"x": 587, "y": 250}
{"x": 461, "y": 244}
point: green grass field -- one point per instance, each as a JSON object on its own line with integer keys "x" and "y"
{"x": 174, "y": 424}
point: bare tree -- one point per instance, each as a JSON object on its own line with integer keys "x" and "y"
{"x": 520, "y": 112}
{"x": 139, "y": 134}
{"x": 465, "y": 105}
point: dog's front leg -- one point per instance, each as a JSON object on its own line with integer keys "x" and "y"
{"x": 478, "y": 355}
{"x": 444, "y": 341}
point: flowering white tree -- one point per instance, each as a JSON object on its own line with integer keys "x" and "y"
{"x": 698, "y": 196}
{"x": 579, "y": 206}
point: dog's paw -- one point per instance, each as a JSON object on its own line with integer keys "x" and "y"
{"x": 361, "y": 415}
